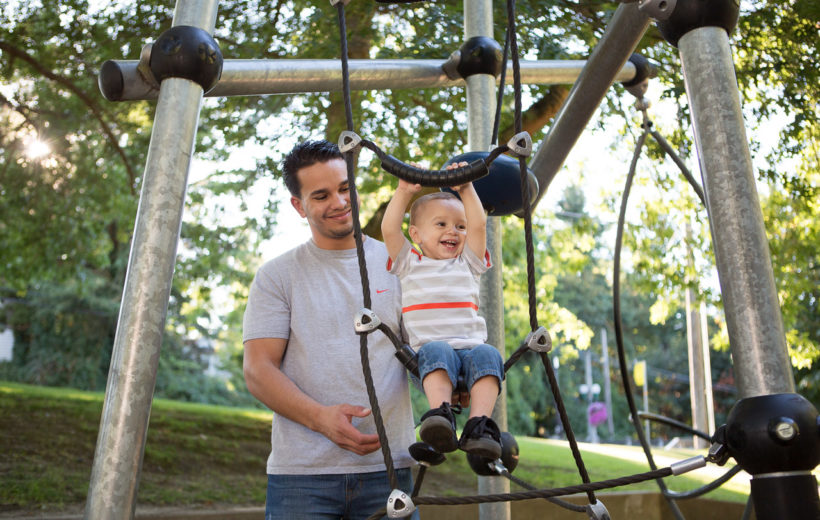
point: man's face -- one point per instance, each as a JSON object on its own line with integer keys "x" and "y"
{"x": 325, "y": 203}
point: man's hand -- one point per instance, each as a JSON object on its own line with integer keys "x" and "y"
{"x": 336, "y": 425}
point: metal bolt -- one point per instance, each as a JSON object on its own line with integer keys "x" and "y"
{"x": 785, "y": 430}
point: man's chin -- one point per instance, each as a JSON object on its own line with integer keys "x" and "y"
{"x": 342, "y": 232}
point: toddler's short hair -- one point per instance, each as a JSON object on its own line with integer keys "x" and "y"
{"x": 422, "y": 201}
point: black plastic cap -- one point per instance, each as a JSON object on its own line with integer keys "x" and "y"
{"x": 110, "y": 81}
{"x": 187, "y": 52}
{"x": 694, "y": 14}
{"x": 773, "y": 433}
{"x": 483, "y": 466}
{"x": 480, "y": 55}
{"x": 643, "y": 70}
{"x": 500, "y": 190}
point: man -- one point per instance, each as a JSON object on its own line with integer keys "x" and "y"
{"x": 302, "y": 356}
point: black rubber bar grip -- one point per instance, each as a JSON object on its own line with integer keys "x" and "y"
{"x": 435, "y": 178}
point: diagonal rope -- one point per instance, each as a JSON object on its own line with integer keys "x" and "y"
{"x": 527, "y": 210}
{"x": 357, "y": 233}
{"x": 616, "y": 309}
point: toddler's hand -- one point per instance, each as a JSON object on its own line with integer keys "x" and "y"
{"x": 453, "y": 166}
{"x": 408, "y": 186}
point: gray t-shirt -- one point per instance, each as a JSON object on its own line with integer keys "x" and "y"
{"x": 310, "y": 297}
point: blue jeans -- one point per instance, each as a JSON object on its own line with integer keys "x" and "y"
{"x": 348, "y": 496}
{"x": 473, "y": 363}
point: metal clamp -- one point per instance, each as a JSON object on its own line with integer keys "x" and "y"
{"x": 642, "y": 104}
{"x": 366, "y": 321}
{"x": 597, "y": 511}
{"x": 144, "y": 66}
{"x": 336, "y": 2}
{"x": 718, "y": 454}
{"x": 399, "y": 504}
{"x": 657, "y": 9}
{"x": 348, "y": 141}
{"x": 498, "y": 467}
{"x": 539, "y": 340}
{"x": 520, "y": 144}
{"x": 685, "y": 466}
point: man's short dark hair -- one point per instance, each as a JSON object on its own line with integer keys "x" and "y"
{"x": 303, "y": 155}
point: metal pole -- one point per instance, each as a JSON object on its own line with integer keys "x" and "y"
{"x": 121, "y": 81}
{"x": 741, "y": 250}
{"x": 697, "y": 374}
{"x": 607, "y": 385}
{"x": 478, "y": 21}
{"x": 132, "y": 376}
{"x": 622, "y": 35}
{"x": 647, "y": 428}
{"x": 707, "y": 369}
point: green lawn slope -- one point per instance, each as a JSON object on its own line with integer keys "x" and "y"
{"x": 203, "y": 455}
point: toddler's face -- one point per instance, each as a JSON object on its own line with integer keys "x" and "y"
{"x": 441, "y": 229}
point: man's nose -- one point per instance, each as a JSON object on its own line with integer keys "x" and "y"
{"x": 341, "y": 199}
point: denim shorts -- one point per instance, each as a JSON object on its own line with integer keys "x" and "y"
{"x": 348, "y": 496}
{"x": 472, "y": 363}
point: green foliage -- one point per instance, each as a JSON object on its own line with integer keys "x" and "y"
{"x": 66, "y": 217}
{"x": 207, "y": 457}
{"x": 794, "y": 239}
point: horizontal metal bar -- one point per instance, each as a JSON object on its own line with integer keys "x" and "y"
{"x": 122, "y": 81}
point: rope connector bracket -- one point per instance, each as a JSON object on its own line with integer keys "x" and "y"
{"x": 597, "y": 511}
{"x": 399, "y": 504}
{"x": 348, "y": 140}
{"x": 366, "y": 321}
{"x": 334, "y": 3}
{"x": 520, "y": 144}
{"x": 657, "y": 9}
{"x": 539, "y": 340}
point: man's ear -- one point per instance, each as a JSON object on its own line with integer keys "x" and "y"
{"x": 297, "y": 205}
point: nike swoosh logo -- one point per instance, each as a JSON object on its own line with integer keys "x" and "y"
{"x": 379, "y": 291}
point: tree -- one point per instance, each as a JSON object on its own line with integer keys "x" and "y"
{"x": 67, "y": 215}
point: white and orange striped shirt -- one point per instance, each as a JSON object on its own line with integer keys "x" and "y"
{"x": 440, "y": 297}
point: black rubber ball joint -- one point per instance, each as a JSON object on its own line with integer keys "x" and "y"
{"x": 480, "y": 55}
{"x": 773, "y": 433}
{"x": 694, "y": 14}
{"x": 187, "y": 52}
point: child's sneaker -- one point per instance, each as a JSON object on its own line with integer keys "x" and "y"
{"x": 481, "y": 437}
{"x": 438, "y": 428}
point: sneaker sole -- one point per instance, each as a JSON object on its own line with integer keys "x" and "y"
{"x": 483, "y": 448}
{"x": 438, "y": 433}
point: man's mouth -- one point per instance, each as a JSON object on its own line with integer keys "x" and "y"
{"x": 340, "y": 216}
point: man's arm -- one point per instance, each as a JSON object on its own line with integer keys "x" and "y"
{"x": 476, "y": 219}
{"x": 394, "y": 216}
{"x": 267, "y": 382}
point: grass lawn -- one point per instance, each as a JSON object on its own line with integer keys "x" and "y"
{"x": 203, "y": 455}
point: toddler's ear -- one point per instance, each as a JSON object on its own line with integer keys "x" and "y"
{"x": 414, "y": 234}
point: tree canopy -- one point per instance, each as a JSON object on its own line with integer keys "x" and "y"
{"x": 71, "y": 162}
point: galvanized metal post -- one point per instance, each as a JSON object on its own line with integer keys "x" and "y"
{"x": 481, "y": 102}
{"x": 744, "y": 265}
{"x": 132, "y": 376}
{"x": 622, "y": 35}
